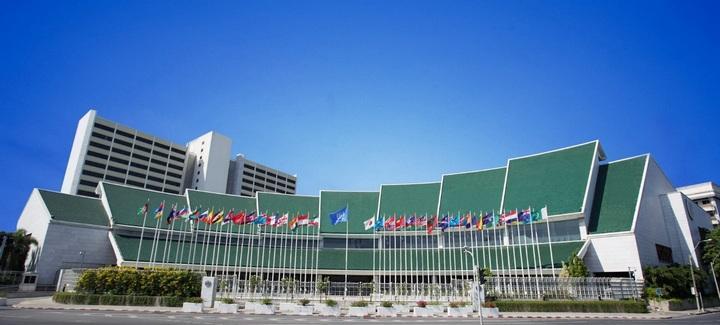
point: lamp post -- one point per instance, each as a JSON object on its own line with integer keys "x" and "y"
{"x": 712, "y": 268}
{"x": 476, "y": 285}
{"x": 692, "y": 276}
{"x": 82, "y": 259}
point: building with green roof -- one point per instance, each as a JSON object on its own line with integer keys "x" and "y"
{"x": 619, "y": 216}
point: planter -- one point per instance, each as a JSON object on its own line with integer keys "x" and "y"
{"x": 302, "y": 310}
{"x": 189, "y": 307}
{"x": 286, "y": 307}
{"x": 423, "y": 312}
{"x": 325, "y": 310}
{"x": 359, "y": 311}
{"x": 261, "y": 309}
{"x": 490, "y": 312}
{"x": 226, "y": 308}
{"x": 250, "y": 306}
{"x": 3, "y": 301}
{"x": 402, "y": 309}
{"x": 387, "y": 311}
{"x": 459, "y": 311}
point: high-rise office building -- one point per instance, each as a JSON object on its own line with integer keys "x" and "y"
{"x": 104, "y": 150}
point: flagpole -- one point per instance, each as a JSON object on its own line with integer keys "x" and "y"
{"x": 180, "y": 242}
{"x": 167, "y": 235}
{"x": 547, "y": 223}
{"x": 156, "y": 236}
{"x": 238, "y": 250}
{"x": 146, "y": 207}
{"x": 317, "y": 253}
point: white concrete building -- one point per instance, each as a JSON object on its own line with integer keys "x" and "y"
{"x": 104, "y": 150}
{"x": 707, "y": 196}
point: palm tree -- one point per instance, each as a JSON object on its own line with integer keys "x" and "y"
{"x": 16, "y": 250}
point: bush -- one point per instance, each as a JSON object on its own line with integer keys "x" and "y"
{"x": 266, "y": 301}
{"x": 227, "y": 301}
{"x": 173, "y": 301}
{"x": 674, "y": 280}
{"x": 489, "y": 304}
{"x": 457, "y": 304}
{"x": 386, "y": 304}
{"x": 129, "y": 281}
{"x": 119, "y": 300}
{"x": 330, "y": 303}
{"x": 193, "y": 300}
{"x": 422, "y": 303}
{"x": 304, "y": 302}
{"x": 607, "y": 306}
{"x": 359, "y": 303}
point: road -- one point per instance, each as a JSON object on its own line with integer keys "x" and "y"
{"x": 29, "y": 317}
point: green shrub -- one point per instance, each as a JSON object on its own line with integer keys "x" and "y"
{"x": 330, "y": 303}
{"x": 359, "y": 303}
{"x": 141, "y": 301}
{"x": 607, "y": 306}
{"x": 674, "y": 280}
{"x": 304, "y": 302}
{"x": 266, "y": 301}
{"x": 112, "y": 300}
{"x": 227, "y": 300}
{"x": 457, "y": 304}
{"x": 118, "y": 300}
{"x": 194, "y": 300}
{"x": 386, "y": 304}
{"x": 172, "y": 301}
{"x": 129, "y": 281}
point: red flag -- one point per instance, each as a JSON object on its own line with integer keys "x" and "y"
{"x": 431, "y": 225}
{"x": 390, "y": 223}
{"x": 400, "y": 222}
{"x": 239, "y": 218}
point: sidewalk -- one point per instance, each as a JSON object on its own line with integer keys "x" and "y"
{"x": 47, "y": 303}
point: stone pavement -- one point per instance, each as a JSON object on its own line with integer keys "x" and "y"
{"x": 47, "y": 303}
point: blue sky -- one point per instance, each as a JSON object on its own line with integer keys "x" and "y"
{"x": 352, "y": 94}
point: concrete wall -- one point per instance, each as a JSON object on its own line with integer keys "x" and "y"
{"x": 613, "y": 253}
{"x": 212, "y": 161}
{"x": 77, "y": 153}
{"x": 62, "y": 247}
{"x": 35, "y": 219}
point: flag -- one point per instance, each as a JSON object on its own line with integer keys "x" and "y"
{"x": 192, "y": 216}
{"x": 339, "y": 216}
{"x": 229, "y": 217}
{"x": 510, "y": 217}
{"x": 488, "y": 220}
{"x": 479, "y": 222}
{"x": 422, "y": 221}
{"x": 431, "y": 225}
{"x": 390, "y": 223}
{"x": 315, "y": 222}
{"x": 272, "y": 220}
{"x": 293, "y": 224}
{"x": 379, "y": 223}
{"x": 454, "y": 221}
{"x": 369, "y": 223}
{"x": 144, "y": 209}
{"x": 411, "y": 221}
{"x": 303, "y": 220}
{"x": 525, "y": 216}
{"x": 218, "y": 218}
{"x": 159, "y": 210}
{"x": 172, "y": 215}
{"x": 239, "y": 218}
{"x": 400, "y": 222}
{"x": 261, "y": 219}
{"x": 544, "y": 213}
{"x": 250, "y": 218}
{"x": 204, "y": 215}
{"x": 443, "y": 223}
{"x": 183, "y": 213}
{"x": 282, "y": 220}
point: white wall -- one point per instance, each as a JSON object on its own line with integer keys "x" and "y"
{"x": 35, "y": 218}
{"x": 613, "y": 253}
{"x": 77, "y": 153}
{"x": 212, "y": 151}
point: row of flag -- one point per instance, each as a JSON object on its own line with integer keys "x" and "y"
{"x": 240, "y": 218}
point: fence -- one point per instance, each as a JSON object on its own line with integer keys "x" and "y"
{"x": 507, "y": 288}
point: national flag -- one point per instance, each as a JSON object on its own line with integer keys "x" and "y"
{"x": 203, "y": 216}
{"x": 261, "y": 219}
{"x": 172, "y": 215}
{"x": 303, "y": 220}
{"x": 411, "y": 220}
{"x": 144, "y": 209}
{"x": 544, "y": 213}
{"x": 454, "y": 221}
{"x": 315, "y": 222}
{"x": 430, "y": 225}
{"x": 509, "y": 217}
{"x": 422, "y": 221}
{"x": 339, "y": 216}
{"x": 390, "y": 223}
{"x": 192, "y": 216}
{"x": 183, "y": 213}
{"x": 282, "y": 220}
{"x": 250, "y": 218}
{"x": 271, "y": 220}
{"x": 369, "y": 223}
{"x": 218, "y": 218}
{"x": 379, "y": 223}
{"x": 525, "y": 216}
{"x": 159, "y": 210}
{"x": 239, "y": 218}
{"x": 400, "y": 222}
{"x": 293, "y": 224}
{"x": 229, "y": 217}
{"x": 444, "y": 223}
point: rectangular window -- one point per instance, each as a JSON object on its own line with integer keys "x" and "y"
{"x": 86, "y": 193}
{"x": 141, "y": 148}
{"x": 175, "y": 167}
{"x": 120, "y": 151}
{"x": 99, "y": 145}
{"x": 88, "y": 183}
{"x": 160, "y": 145}
{"x": 176, "y": 150}
{"x": 161, "y": 163}
{"x": 134, "y": 183}
{"x": 114, "y": 179}
{"x": 159, "y": 171}
{"x": 141, "y": 157}
{"x": 172, "y": 183}
{"x": 94, "y": 164}
{"x": 96, "y": 154}
{"x": 101, "y": 136}
{"x": 245, "y": 188}
{"x": 174, "y": 175}
{"x": 104, "y": 127}
{"x": 177, "y": 159}
{"x": 125, "y": 143}
{"x": 117, "y": 170}
{"x": 249, "y": 174}
{"x": 137, "y": 165}
{"x": 153, "y": 187}
{"x": 119, "y": 161}
{"x": 260, "y": 178}
{"x": 664, "y": 253}
{"x": 148, "y": 141}
{"x": 291, "y": 181}
{"x": 132, "y": 173}
{"x": 125, "y": 134}
{"x": 249, "y": 167}
{"x": 153, "y": 178}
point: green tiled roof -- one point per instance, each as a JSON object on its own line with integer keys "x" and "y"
{"x": 361, "y": 206}
{"x": 74, "y": 208}
{"x": 472, "y": 191}
{"x": 558, "y": 179}
{"x": 406, "y": 199}
{"x": 291, "y": 204}
{"x": 124, "y": 203}
{"x": 616, "y": 195}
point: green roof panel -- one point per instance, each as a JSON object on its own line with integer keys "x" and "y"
{"x": 361, "y": 207}
{"x": 616, "y": 195}
{"x": 75, "y": 208}
{"x": 472, "y": 191}
{"x": 407, "y": 199}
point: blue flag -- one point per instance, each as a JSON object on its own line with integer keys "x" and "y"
{"x": 379, "y": 223}
{"x": 339, "y": 216}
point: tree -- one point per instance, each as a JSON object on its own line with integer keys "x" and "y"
{"x": 574, "y": 268}
{"x": 323, "y": 285}
{"x": 674, "y": 279}
{"x": 17, "y": 246}
{"x": 711, "y": 249}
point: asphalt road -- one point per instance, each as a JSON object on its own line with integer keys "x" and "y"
{"x": 29, "y": 317}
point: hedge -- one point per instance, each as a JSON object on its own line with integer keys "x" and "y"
{"x": 129, "y": 281}
{"x": 606, "y": 306}
{"x": 73, "y": 298}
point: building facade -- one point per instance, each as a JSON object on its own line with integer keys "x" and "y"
{"x": 619, "y": 216}
{"x": 107, "y": 151}
{"x": 707, "y": 196}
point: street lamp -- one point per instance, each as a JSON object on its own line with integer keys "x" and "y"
{"x": 712, "y": 268}
{"x": 82, "y": 259}
{"x": 476, "y": 285}
{"x": 692, "y": 275}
